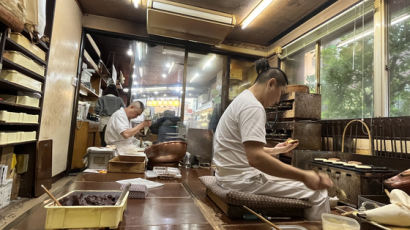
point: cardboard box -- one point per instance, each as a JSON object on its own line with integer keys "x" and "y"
{"x": 22, "y": 163}
{"x": 117, "y": 166}
{"x": 7, "y": 159}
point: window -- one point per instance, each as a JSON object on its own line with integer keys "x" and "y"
{"x": 346, "y": 72}
{"x": 399, "y": 57}
{"x": 300, "y": 67}
{"x": 157, "y": 78}
{"x": 203, "y": 91}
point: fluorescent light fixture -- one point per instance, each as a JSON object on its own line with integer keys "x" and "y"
{"x": 139, "y": 50}
{"x": 125, "y": 90}
{"x": 141, "y": 71}
{"x": 164, "y": 75}
{"x": 355, "y": 38}
{"x": 136, "y": 3}
{"x": 129, "y": 52}
{"x": 208, "y": 62}
{"x": 146, "y": 48}
{"x": 191, "y": 12}
{"x": 400, "y": 19}
{"x": 194, "y": 77}
{"x": 255, "y": 12}
{"x": 170, "y": 67}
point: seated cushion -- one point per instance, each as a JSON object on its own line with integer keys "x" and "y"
{"x": 251, "y": 200}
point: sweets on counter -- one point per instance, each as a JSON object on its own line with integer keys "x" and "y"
{"x": 88, "y": 200}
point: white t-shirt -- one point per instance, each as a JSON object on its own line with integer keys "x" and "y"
{"x": 244, "y": 120}
{"x": 117, "y": 124}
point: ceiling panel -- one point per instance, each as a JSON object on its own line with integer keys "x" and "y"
{"x": 278, "y": 17}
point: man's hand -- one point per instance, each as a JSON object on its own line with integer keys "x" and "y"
{"x": 317, "y": 181}
{"x": 281, "y": 148}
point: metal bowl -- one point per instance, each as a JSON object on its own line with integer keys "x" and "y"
{"x": 166, "y": 152}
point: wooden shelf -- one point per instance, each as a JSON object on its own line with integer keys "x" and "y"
{"x": 10, "y": 44}
{"x": 19, "y": 107}
{"x": 17, "y": 124}
{"x": 89, "y": 92}
{"x": 18, "y": 143}
{"x": 7, "y": 86}
{"x": 7, "y": 64}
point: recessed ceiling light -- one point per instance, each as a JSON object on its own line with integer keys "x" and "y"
{"x": 168, "y": 65}
{"x": 164, "y": 75}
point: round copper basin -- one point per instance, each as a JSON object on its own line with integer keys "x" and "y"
{"x": 171, "y": 151}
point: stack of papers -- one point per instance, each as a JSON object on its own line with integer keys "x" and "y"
{"x": 140, "y": 181}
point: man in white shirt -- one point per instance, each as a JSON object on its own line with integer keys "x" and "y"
{"x": 244, "y": 164}
{"x": 119, "y": 130}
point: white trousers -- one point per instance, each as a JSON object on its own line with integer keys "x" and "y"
{"x": 264, "y": 184}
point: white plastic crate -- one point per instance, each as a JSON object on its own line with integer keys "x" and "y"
{"x": 5, "y": 193}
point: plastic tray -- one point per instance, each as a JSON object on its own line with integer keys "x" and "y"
{"x": 86, "y": 216}
{"x": 21, "y": 79}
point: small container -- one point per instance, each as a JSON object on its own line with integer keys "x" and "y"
{"x": 98, "y": 157}
{"x": 334, "y": 222}
{"x": 108, "y": 216}
{"x": 132, "y": 158}
{"x": 24, "y": 42}
{"x": 24, "y": 61}
{"x": 137, "y": 191}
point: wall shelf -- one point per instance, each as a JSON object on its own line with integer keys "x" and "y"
{"x": 10, "y": 86}
{"x": 18, "y": 143}
{"x": 19, "y": 107}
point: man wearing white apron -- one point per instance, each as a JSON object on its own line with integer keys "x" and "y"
{"x": 244, "y": 164}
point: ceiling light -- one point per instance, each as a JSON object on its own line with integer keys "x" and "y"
{"x": 255, "y": 12}
{"x": 146, "y": 48}
{"x": 133, "y": 66}
{"x": 141, "y": 71}
{"x": 156, "y": 92}
{"x": 400, "y": 19}
{"x": 139, "y": 50}
{"x": 136, "y": 3}
{"x": 144, "y": 95}
{"x": 165, "y": 94}
{"x": 170, "y": 68}
{"x": 164, "y": 75}
{"x": 134, "y": 76}
{"x": 125, "y": 90}
{"x": 191, "y": 12}
{"x": 168, "y": 65}
{"x": 355, "y": 38}
{"x": 208, "y": 62}
{"x": 129, "y": 52}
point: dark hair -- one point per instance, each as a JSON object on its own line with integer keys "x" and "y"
{"x": 111, "y": 89}
{"x": 265, "y": 73}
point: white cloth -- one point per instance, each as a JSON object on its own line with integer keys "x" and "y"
{"x": 244, "y": 120}
{"x": 117, "y": 124}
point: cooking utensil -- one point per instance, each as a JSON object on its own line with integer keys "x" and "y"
{"x": 262, "y": 218}
{"x": 124, "y": 191}
{"x": 51, "y": 195}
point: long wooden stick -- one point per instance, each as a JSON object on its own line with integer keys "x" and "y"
{"x": 51, "y": 195}
{"x": 262, "y": 218}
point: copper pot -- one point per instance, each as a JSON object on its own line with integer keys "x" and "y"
{"x": 165, "y": 152}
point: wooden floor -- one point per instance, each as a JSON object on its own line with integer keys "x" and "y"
{"x": 179, "y": 204}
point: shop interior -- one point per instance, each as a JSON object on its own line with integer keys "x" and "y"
{"x": 346, "y": 105}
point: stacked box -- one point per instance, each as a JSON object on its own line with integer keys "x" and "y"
{"x": 29, "y": 101}
{"x": 4, "y": 116}
{"x": 24, "y": 61}
{"x": 23, "y": 41}
{"x": 21, "y": 79}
